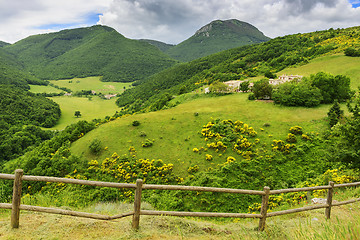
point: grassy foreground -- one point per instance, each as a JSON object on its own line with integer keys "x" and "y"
{"x": 344, "y": 224}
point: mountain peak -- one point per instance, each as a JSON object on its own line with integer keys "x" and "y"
{"x": 217, "y": 36}
{"x": 229, "y": 26}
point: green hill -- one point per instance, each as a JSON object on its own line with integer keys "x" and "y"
{"x": 238, "y": 64}
{"x": 13, "y": 72}
{"x": 162, "y": 125}
{"x": 216, "y": 37}
{"x": 92, "y": 51}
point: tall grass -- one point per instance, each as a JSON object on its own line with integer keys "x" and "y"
{"x": 343, "y": 225}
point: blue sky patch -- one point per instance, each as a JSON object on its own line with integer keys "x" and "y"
{"x": 355, "y": 3}
{"x": 88, "y": 20}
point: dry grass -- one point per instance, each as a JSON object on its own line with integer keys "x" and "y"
{"x": 344, "y": 224}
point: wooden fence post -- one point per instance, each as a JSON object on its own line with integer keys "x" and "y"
{"x": 137, "y": 204}
{"x": 264, "y": 207}
{"x": 15, "y": 210}
{"x": 329, "y": 200}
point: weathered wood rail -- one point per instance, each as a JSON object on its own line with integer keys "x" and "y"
{"x": 18, "y": 178}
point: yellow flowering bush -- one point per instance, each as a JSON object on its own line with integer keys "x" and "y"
{"x": 297, "y": 130}
{"x": 208, "y": 157}
{"x": 227, "y": 134}
{"x": 279, "y": 145}
{"x": 193, "y": 169}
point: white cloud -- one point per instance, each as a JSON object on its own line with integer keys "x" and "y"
{"x": 21, "y": 18}
{"x": 172, "y": 21}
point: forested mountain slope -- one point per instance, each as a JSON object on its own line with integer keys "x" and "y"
{"x": 92, "y": 51}
{"x": 13, "y": 72}
{"x": 161, "y": 45}
{"x": 3, "y": 43}
{"x": 21, "y": 115}
{"x": 215, "y": 37}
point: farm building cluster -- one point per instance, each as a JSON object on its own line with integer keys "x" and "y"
{"x": 234, "y": 85}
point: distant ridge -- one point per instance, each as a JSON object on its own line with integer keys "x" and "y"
{"x": 161, "y": 45}
{"x": 92, "y": 51}
{"x": 215, "y": 37}
{"x": 3, "y": 43}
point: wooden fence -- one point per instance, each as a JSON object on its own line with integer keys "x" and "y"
{"x": 18, "y": 177}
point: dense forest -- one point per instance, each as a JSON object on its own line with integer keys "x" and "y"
{"x": 22, "y": 115}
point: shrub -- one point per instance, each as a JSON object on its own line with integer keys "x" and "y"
{"x": 142, "y": 134}
{"x": 251, "y": 96}
{"x": 135, "y": 123}
{"x": 95, "y": 146}
{"x": 291, "y": 138}
{"x": 148, "y": 143}
{"x": 305, "y": 137}
{"x": 208, "y": 157}
{"x": 296, "y": 130}
{"x": 267, "y": 124}
{"x": 193, "y": 169}
{"x": 352, "y": 52}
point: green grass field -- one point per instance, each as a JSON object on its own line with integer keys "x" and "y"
{"x": 334, "y": 64}
{"x": 176, "y": 131}
{"x": 92, "y": 83}
{"x": 89, "y": 109}
{"x": 44, "y": 89}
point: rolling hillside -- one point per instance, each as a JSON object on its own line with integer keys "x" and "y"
{"x": 239, "y": 64}
{"x": 92, "y": 51}
{"x": 161, "y": 126}
{"x": 215, "y": 37}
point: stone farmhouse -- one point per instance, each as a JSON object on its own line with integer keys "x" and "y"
{"x": 109, "y": 96}
{"x": 284, "y": 78}
{"x": 234, "y": 85}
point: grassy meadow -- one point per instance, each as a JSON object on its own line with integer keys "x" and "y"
{"x": 334, "y": 64}
{"x": 92, "y": 83}
{"x": 176, "y": 131}
{"x": 89, "y": 109}
{"x": 44, "y": 89}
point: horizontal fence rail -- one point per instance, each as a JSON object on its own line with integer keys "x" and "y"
{"x": 18, "y": 177}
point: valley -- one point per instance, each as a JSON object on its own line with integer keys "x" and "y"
{"x": 158, "y": 123}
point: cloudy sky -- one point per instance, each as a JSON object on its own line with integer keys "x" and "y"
{"x": 173, "y": 21}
